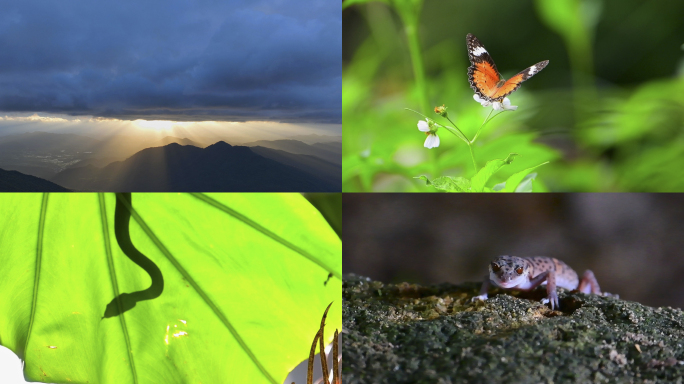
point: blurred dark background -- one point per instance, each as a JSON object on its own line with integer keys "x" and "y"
{"x": 608, "y": 111}
{"x": 634, "y": 243}
{"x": 632, "y": 41}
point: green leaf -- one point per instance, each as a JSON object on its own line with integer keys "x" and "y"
{"x": 348, "y": 3}
{"x": 526, "y": 184}
{"x": 242, "y": 278}
{"x": 517, "y": 178}
{"x": 499, "y": 187}
{"x": 330, "y": 206}
{"x": 448, "y": 183}
{"x": 492, "y": 166}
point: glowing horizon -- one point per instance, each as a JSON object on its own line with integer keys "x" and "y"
{"x": 98, "y": 127}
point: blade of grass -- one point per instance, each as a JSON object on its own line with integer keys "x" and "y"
{"x": 336, "y": 374}
{"x": 324, "y": 358}
{"x": 309, "y": 372}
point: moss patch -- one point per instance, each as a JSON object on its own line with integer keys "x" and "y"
{"x": 407, "y": 333}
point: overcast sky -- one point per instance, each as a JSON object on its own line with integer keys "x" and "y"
{"x": 182, "y": 60}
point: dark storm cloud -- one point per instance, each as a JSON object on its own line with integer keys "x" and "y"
{"x": 181, "y": 60}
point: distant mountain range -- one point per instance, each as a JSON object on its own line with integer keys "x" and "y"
{"x": 331, "y": 151}
{"x": 325, "y": 170}
{"x": 313, "y": 139}
{"x": 95, "y": 161}
{"x": 13, "y": 181}
{"x": 127, "y": 163}
{"x": 219, "y": 167}
{"x": 44, "y": 154}
{"x": 46, "y": 142}
{"x": 171, "y": 139}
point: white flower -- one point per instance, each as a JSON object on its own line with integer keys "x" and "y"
{"x": 423, "y": 126}
{"x": 432, "y": 139}
{"x": 504, "y": 106}
{"x": 498, "y": 106}
{"x": 482, "y": 101}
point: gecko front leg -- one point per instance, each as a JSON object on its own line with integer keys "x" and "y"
{"x": 483, "y": 291}
{"x": 551, "y": 295}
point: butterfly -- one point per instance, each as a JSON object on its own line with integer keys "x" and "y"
{"x": 486, "y": 80}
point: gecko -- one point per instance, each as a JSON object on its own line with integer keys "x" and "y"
{"x": 527, "y": 273}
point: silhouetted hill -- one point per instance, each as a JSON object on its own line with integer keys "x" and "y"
{"x": 13, "y": 181}
{"x": 335, "y": 147}
{"x": 294, "y": 146}
{"x": 171, "y": 139}
{"x": 44, "y": 154}
{"x": 324, "y": 170}
{"x": 219, "y": 167}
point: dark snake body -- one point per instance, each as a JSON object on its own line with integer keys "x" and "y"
{"x": 122, "y": 217}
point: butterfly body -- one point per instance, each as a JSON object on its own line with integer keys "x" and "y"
{"x": 486, "y": 80}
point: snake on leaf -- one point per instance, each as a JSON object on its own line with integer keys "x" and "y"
{"x": 126, "y": 301}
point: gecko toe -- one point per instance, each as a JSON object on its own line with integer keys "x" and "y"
{"x": 552, "y": 300}
{"x": 479, "y": 298}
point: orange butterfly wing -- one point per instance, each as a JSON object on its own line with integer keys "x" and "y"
{"x": 482, "y": 74}
{"x": 485, "y": 79}
{"x": 514, "y": 82}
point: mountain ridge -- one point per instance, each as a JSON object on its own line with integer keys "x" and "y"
{"x": 323, "y": 169}
{"x": 15, "y": 181}
{"x": 219, "y": 167}
{"x": 323, "y": 151}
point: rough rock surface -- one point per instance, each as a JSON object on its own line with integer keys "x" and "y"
{"x": 406, "y": 333}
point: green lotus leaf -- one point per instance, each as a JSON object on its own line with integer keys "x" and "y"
{"x": 165, "y": 288}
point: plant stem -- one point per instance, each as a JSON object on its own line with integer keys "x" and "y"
{"x": 409, "y": 109}
{"x": 472, "y": 156}
{"x": 470, "y": 143}
{"x": 410, "y": 20}
{"x": 466, "y": 137}
{"x": 483, "y": 124}
{"x": 409, "y": 13}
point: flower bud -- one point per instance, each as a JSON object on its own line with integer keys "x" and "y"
{"x": 441, "y": 111}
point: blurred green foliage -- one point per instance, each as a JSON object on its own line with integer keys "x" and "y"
{"x": 608, "y": 111}
{"x": 330, "y": 206}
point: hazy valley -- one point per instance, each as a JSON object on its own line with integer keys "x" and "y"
{"x": 305, "y": 163}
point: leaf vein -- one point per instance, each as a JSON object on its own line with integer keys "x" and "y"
{"x": 197, "y": 288}
{"x": 39, "y": 258}
{"x": 115, "y": 285}
{"x": 266, "y": 232}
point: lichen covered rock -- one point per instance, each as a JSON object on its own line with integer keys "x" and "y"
{"x": 406, "y": 333}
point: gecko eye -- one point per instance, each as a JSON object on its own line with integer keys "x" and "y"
{"x": 495, "y": 267}
{"x": 519, "y": 270}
